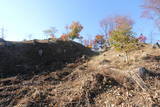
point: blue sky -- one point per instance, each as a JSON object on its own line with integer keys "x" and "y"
{"x": 23, "y": 17}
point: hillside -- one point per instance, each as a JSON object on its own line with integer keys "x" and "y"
{"x": 57, "y": 74}
{"x": 38, "y": 56}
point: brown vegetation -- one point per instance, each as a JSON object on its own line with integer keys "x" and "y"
{"x": 102, "y": 80}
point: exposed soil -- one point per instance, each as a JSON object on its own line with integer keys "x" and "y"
{"x": 40, "y": 56}
{"x": 77, "y": 77}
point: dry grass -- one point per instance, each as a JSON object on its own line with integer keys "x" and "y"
{"x": 103, "y": 81}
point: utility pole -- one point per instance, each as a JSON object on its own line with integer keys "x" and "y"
{"x": 2, "y": 30}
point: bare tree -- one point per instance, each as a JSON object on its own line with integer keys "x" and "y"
{"x": 109, "y": 24}
{"x": 50, "y": 32}
{"x": 152, "y": 11}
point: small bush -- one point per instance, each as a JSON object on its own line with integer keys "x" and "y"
{"x": 123, "y": 41}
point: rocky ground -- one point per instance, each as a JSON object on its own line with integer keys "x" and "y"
{"x": 66, "y": 74}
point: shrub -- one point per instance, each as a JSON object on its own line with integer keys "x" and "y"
{"x": 99, "y": 42}
{"x": 123, "y": 41}
{"x": 64, "y": 37}
{"x": 99, "y": 39}
{"x": 142, "y": 38}
{"x": 88, "y": 43}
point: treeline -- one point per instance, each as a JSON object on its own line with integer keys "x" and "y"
{"x": 117, "y": 30}
{"x": 117, "y": 33}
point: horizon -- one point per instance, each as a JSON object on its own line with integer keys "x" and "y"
{"x": 20, "y": 18}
